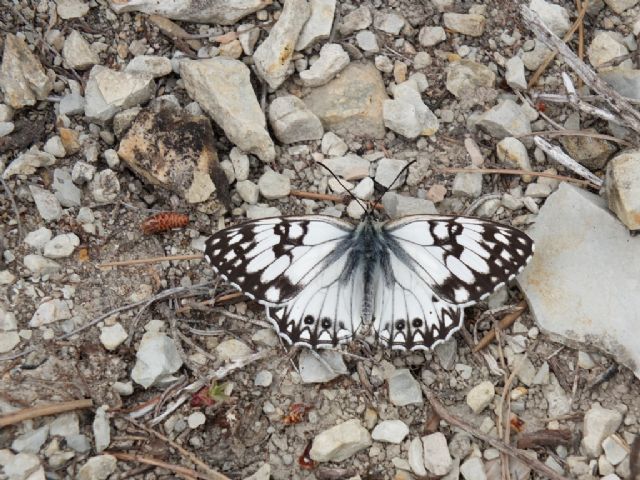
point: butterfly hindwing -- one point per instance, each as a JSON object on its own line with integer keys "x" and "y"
{"x": 462, "y": 259}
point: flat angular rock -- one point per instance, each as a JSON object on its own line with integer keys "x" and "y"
{"x": 514, "y": 75}
{"x": 174, "y": 150}
{"x": 156, "y": 359}
{"x": 28, "y": 162}
{"x": 555, "y": 17}
{"x": 349, "y": 167}
{"x": 507, "y": 119}
{"x": 351, "y": 104}
{"x": 46, "y": 202}
{"x": 292, "y": 121}
{"x": 318, "y": 26}
{"x": 605, "y": 47}
{"x": 358, "y": 19}
{"x": 109, "y": 91}
{"x": 224, "y": 12}
{"x": 465, "y": 76}
{"x": 340, "y": 442}
{"x": 391, "y": 431}
{"x": 333, "y": 59}
{"x": 222, "y": 87}
{"x": 593, "y": 153}
{"x": 599, "y": 423}
{"x": 77, "y": 52}
{"x": 619, "y": 6}
{"x": 623, "y": 188}
{"x": 404, "y": 389}
{"x": 273, "y": 56}
{"x": 23, "y": 80}
{"x": 313, "y": 370}
{"x": 274, "y": 185}
{"x": 577, "y": 283}
{"x": 437, "y": 458}
{"x": 480, "y": 396}
{"x": 153, "y": 65}
{"x": 98, "y": 468}
{"x": 625, "y": 81}
{"x": 465, "y": 23}
{"x": 68, "y": 9}
{"x": 50, "y": 312}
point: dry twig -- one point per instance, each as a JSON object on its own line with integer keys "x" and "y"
{"x": 576, "y": 133}
{"x": 454, "y": 421}
{"x": 565, "y": 160}
{"x": 505, "y": 323}
{"x": 510, "y": 171}
{"x": 544, "y": 438}
{"x": 177, "y": 469}
{"x": 44, "y": 410}
{"x": 149, "y": 260}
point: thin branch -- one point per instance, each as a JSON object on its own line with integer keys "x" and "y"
{"x": 576, "y": 133}
{"x": 44, "y": 410}
{"x": 509, "y": 171}
{"x": 584, "y": 106}
{"x": 145, "y": 261}
{"x": 505, "y": 323}
{"x": 452, "y": 420}
{"x": 567, "y": 36}
{"x": 590, "y": 78}
{"x": 562, "y": 158}
{"x": 177, "y": 469}
{"x": 561, "y": 98}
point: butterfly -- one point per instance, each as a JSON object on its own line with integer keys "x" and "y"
{"x": 322, "y": 279}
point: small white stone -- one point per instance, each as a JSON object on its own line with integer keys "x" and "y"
{"x": 196, "y": 419}
{"x": 615, "y": 449}
{"x": 55, "y": 147}
{"x": 8, "y": 341}
{"x": 340, "y": 442}
{"x": 274, "y": 185}
{"x": 263, "y": 378}
{"x": 101, "y": 429}
{"x": 61, "y": 246}
{"x": 113, "y": 336}
{"x": 416, "y": 457}
{"x": 38, "y": 238}
{"x": 437, "y": 458}
{"x": 473, "y": 469}
{"x": 404, "y": 389}
{"x": 232, "y": 349}
{"x": 391, "y": 431}
{"x": 50, "y": 312}
{"x": 599, "y": 423}
{"x": 480, "y": 396}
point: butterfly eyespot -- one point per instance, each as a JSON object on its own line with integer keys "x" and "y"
{"x": 400, "y": 324}
{"x": 417, "y": 323}
{"x": 308, "y": 320}
{"x": 326, "y": 323}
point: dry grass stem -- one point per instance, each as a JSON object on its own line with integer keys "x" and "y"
{"x": 512, "y": 171}
{"x": 43, "y": 411}
{"x": 150, "y": 260}
{"x": 505, "y": 323}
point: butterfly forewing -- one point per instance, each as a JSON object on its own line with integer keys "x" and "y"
{"x": 272, "y": 259}
{"x": 462, "y": 259}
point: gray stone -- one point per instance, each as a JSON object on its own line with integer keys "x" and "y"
{"x": 333, "y": 59}
{"x": 39, "y": 265}
{"x": 262, "y": 211}
{"x": 292, "y": 121}
{"x": 555, "y": 17}
{"x": 313, "y": 370}
{"x": 101, "y": 429}
{"x": 24, "y": 466}
{"x": 112, "y": 336}
{"x": 24, "y": 80}
{"x": 79, "y": 443}
{"x": 467, "y": 184}
{"x": 350, "y": 167}
{"x": 387, "y": 171}
{"x": 26, "y": 163}
{"x": 241, "y": 164}
{"x": 431, "y": 36}
{"x": 212, "y": 11}
{"x": 390, "y": 431}
{"x": 367, "y": 41}
{"x": 6, "y": 128}
{"x": 51, "y": 311}
{"x": 532, "y": 59}
{"x": 593, "y": 153}
{"x": 65, "y": 425}
{"x": 47, "y": 204}
{"x": 82, "y": 172}
{"x": 365, "y": 189}
{"x": 407, "y": 114}
{"x": 105, "y": 186}
{"x": 77, "y": 52}
{"x": 473, "y": 469}
{"x": 359, "y": 19}
{"x": 318, "y": 26}
{"x": 156, "y": 359}
{"x": 340, "y": 442}
{"x": 8, "y": 341}
{"x": 605, "y": 47}
{"x": 232, "y": 349}
{"x": 599, "y": 423}
{"x": 68, "y": 9}
{"x": 572, "y": 286}
{"x": 263, "y": 473}
{"x": 351, "y": 104}
{"x": 333, "y": 145}
{"x": 558, "y": 401}
{"x": 222, "y": 87}
{"x": 404, "y": 389}
{"x": 625, "y": 81}
{"x": 153, "y": 65}
{"x": 72, "y": 104}
{"x": 507, "y": 119}
{"x": 274, "y": 185}
{"x": 416, "y": 457}
{"x": 98, "y": 468}
{"x": 620, "y": 6}
{"x": 615, "y": 449}
{"x": 388, "y": 22}
{"x": 481, "y": 396}
{"x": 61, "y": 246}
{"x": 109, "y": 92}
{"x": 398, "y": 206}
{"x": 55, "y": 147}
{"x": 38, "y": 238}
{"x": 273, "y": 56}
{"x": 31, "y": 441}
{"x": 249, "y": 192}
{"x": 263, "y": 378}
{"x": 514, "y": 75}
{"x": 465, "y": 76}
{"x": 465, "y": 23}
{"x": 538, "y": 190}
{"x": 623, "y": 188}
{"x": 447, "y": 353}
{"x": 437, "y": 458}
{"x": 65, "y": 191}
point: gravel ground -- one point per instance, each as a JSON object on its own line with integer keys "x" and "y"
{"x": 178, "y": 369}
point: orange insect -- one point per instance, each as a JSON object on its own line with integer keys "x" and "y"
{"x": 163, "y": 222}
{"x": 296, "y": 413}
{"x": 517, "y": 424}
{"x": 541, "y": 106}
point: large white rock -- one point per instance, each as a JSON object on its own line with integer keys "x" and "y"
{"x": 340, "y": 442}
{"x": 581, "y": 284}
{"x": 222, "y": 87}
{"x": 318, "y": 26}
{"x": 599, "y": 423}
{"x": 623, "y": 188}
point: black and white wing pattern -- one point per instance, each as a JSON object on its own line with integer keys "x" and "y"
{"x": 436, "y": 266}
{"x": 297, "y": 268}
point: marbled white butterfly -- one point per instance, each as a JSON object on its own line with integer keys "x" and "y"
{"x": 321, "y": 278}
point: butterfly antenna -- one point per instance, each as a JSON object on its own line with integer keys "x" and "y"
{"x": 379, "y": 199}
{"x": 343, "y": 186}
